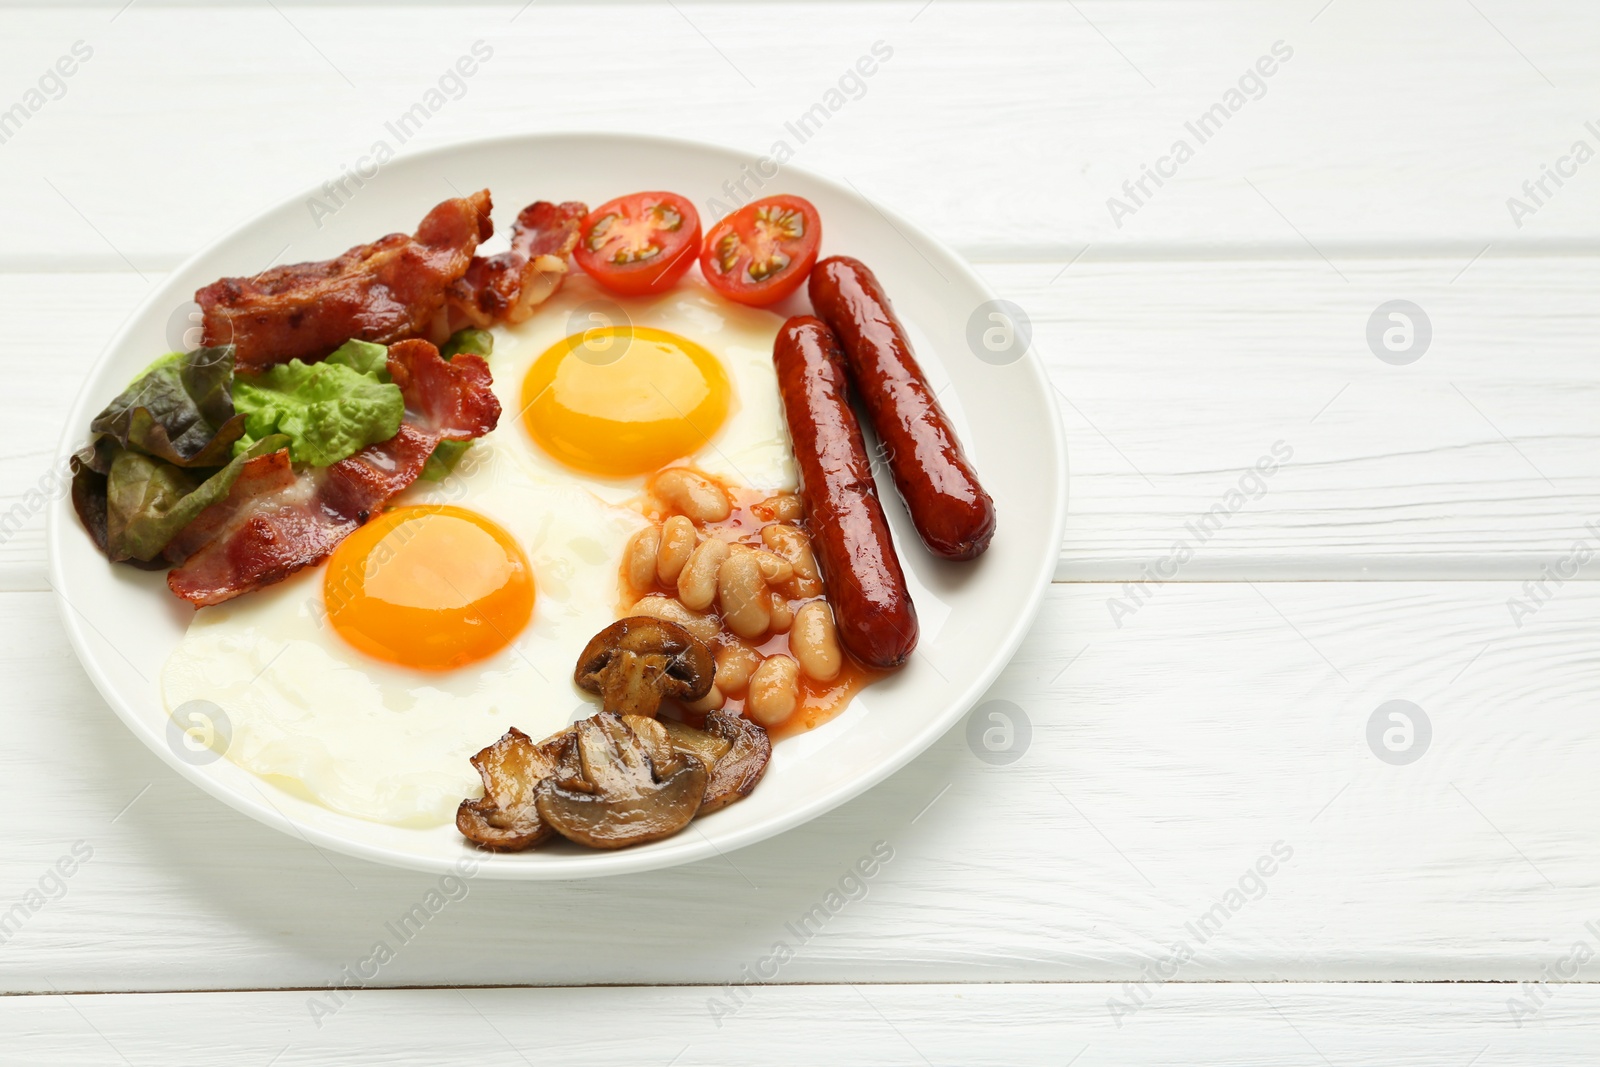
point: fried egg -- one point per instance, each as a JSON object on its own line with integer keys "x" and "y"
{"x": 610, "y": 389}
{"x": 365, "y": 684}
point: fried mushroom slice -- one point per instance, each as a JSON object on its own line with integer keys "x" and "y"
{"x": 631, "y": 800}
{"x": 736, "y": 774}
{"x": 736, "y": 750}
{"x": 703, "y": 744}
{"x": 652, "y": 734}
{"x": 635, "y": 662}
{"x": 505, "y": 819}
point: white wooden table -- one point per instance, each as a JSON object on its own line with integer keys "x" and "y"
{"x": 1094, "y": 900}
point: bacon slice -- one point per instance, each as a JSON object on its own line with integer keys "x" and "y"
{"x": 277, "y": 520}
{"x": 452, "y": 401}
{"x": 386, "y": 291}
{"x": 507, "y": 287}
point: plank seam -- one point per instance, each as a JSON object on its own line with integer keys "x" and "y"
{"x": 780, "y": 985}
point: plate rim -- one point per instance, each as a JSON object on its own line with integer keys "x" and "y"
{"x": 623, "y": 861}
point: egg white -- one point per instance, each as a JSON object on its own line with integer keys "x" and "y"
{"x": 383, "y": 742}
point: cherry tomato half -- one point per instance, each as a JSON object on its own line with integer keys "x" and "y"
{"x": 640, "y": 244}
{"x": 761, "y": 253}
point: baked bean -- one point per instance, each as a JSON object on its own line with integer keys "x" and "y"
{"x": 815, "y": 642}
{"x": 697, "y": 582}
{"x": 794, "y": 546}
{"x": 782, "y": 614}
{"x": 774, "y": 691}
{"x": 710, "y": 702}
{"x": 641, "y": 557}
{"x": 774, "y": 568}
{"x": 678, "y": 538}
{"x": 735, "y": 665}
{"x": 692, "y": 495}
{"x": 743, "y": 595}
{"x": 785, "y": 507}
{"x": 657, "y": 606}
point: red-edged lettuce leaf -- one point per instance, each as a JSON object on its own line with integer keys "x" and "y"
{"x": 180, "y": 410}
{"x": 89, "y": 467}
{"x": 149, "y": 500}
{"x": 180, "y": 414}
{"x": 276, "y": 520}
{"x": 139, "y": 503}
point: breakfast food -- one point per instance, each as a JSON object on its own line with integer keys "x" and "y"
{"x": 639, "y": 245}
{"x": 382, "y": 292}
{"x": 610, "y": 781}
{"x": 327, "y": 684}
{"x": 877, "y": 621}
{"x": 276, "y": 519}
{"x": 669, "y": 557}
{"x": 737, "y": 570}
{"x": 315, "y": 705}
{"x": 508, "y": 286}
{"x": 636, "y": 663}
{"x": 762, "y": 252}
{"x": 952, "y": 513}
{"x": 188, "y": 466}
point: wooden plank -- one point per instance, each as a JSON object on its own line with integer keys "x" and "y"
{"x": 1219, "y": 733}
{"x": 1020, "y": 121}
{"x": 1175, "y": 378}
{"x": 1265, "y": 1025}
{"x": 59, "y": 325}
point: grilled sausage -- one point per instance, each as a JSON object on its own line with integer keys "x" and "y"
{"x": 876, "y": 620}
{"x": 941, "y": 491}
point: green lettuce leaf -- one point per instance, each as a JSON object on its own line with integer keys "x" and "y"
{"x": 478, "y": 342}
{"x": 329, "y": 410}
{"x": 443, "y": 459}
{"x": 147, "y": 500}
{"x": 179, "y": 410}
{"x": 364, "y": 357}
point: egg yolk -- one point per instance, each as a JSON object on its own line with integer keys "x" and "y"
{"x": 624, "y": 400}
{"x": 430, "y": 587}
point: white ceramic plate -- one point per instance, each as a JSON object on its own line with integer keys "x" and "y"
{"x": 123, "y": 622}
